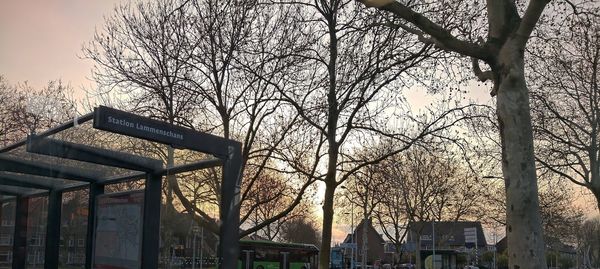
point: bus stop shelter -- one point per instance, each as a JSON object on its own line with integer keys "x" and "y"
{"x": 66, "y": 158}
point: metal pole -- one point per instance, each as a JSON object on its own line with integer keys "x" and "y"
{"x": 52, "y": 229}
{"x": 433, "y": 243}
{"x": 151, "y": 218}
{"x": 94, "y": 190}
{"x": 409, "y": 256}
{"x": 495, "y": 249}
{"x": 201, "y": 244}
{"x": 194, "y": 249}
{"x": 476, "y": 250}
{"x": 229, "y": 231}
{"x": 352, "y": 232}
{"x": 20, "y": 232}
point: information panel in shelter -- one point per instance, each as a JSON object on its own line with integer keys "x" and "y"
{"x": 118, "y": 230}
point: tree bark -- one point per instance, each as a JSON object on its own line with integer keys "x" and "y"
{"x": 333, "y": 147}
{"x": 327, "y": 226}
{"x": 524, "y": 229}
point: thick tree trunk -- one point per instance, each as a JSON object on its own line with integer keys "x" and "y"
{"x": 524, "y": 229}
{"x": 324, "y": 255}
{"x": 597, "y": 195}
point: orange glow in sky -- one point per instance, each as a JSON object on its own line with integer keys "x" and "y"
{"x": 41, "y": 40}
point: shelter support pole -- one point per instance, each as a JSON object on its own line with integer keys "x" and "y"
{"x": 20, "y": 232}
{"x": 151, "y": 230}
{"x": 230, "y": 209}
{"x": 53, "y": 229}
{"x": 94, "y": 191}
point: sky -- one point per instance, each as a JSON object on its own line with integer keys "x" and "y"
{"x": 41, "y": 40}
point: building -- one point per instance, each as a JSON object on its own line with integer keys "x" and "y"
{"x": 73, "y": 232}
{"x": 455, "y": 243}
{"x": 375, "y": 253}
{"x": 558, "y": 254}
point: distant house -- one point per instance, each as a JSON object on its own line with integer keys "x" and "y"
{"x": 556, "y": 250}
{"x": 450, "y": 240}
{"x": 375, "y": 244}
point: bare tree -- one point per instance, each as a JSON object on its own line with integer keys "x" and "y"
{"x": 423, "y": 184}
{"x": 236, "y": 74}
{"x": 279, "y": 195}
{"x": 342, "y": 94}
{"x": 364, "y": 190}
{"x": 566, "y": 104}
{"x": 7, "y": 100}
{"x": 589, "y": 243}
{"x": 196, "y": 64}
{"x": 300, "y": 230}
{"x": 509, "y": 26}
{"x": 559, "y": 213}
{"x": 26, "y": 110}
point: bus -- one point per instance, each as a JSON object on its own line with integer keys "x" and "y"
{"x": 256, "y": 254}
{"x": 336, "y": 258}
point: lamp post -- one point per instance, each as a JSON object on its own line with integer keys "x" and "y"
{"x": 495, "y": 250}
{"x": 201, "y": 245}
{"x": 351, "y": 228}
{"x": 433, "y": 243}
{"x": 195, "y": 231}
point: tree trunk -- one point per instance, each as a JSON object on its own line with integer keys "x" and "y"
{"x": 327, "y": 225}
{"x": 597, "y": 195}
{"x": 333, "y": 147}
{"x": 524, "y": 232}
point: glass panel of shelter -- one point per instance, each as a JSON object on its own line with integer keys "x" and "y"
{"x": 86, "y": 135}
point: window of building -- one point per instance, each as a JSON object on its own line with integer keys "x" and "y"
{"x": 5, "y": 239}
{"x": 35, "y": 257}
{"x": 36, "y": 240}
{"x": 5, "y": 256}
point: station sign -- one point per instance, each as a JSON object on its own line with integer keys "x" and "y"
{"x": 125, "y": 123}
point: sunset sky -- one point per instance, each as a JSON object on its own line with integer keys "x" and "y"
{"x": 41, "y": 40}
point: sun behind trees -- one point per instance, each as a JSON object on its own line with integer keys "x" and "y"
{"x": 296, "y": 83}
{"x": 306, "y": 85}
{"x": 460, "y": 27}
{"x": 208, "y": 67}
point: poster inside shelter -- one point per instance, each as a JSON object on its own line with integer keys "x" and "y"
{"x": 118, "y": 230}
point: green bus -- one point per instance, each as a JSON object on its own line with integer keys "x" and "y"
{"x": 272, "y": 255}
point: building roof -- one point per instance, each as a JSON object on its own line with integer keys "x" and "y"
{"x": 449, "y": 233}
{"x": 359, "y": 227}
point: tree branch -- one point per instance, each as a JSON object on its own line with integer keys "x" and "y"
{"x": 485, "y": 76}
{"x": 531, "y": 17}
{"x": 438, "y": 35}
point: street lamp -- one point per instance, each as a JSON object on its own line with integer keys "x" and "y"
{"x": 351, "y": 228}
